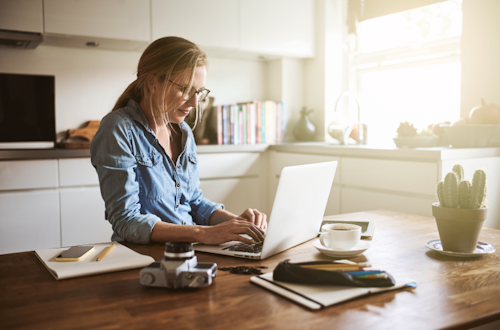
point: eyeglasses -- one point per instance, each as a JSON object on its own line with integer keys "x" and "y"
{"x": 188, "y": 95}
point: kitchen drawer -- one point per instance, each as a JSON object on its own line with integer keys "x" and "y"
{"x": 281, "y": 159}
{"x": 404, "y": 176}
{"x": 236, "y": 194}
{"x": 28, "y": 174}
{"x": 77, "y": 172}
{"x": 228, "y": 165}
{"x": 356, "y": 200}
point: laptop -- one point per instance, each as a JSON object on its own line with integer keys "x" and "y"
{"x": 298, "y": 209}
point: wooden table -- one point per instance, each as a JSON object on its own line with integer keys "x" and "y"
{"x": 452, "y": 292}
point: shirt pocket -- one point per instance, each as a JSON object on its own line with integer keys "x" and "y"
{"x": 151, "y": 175}
{"x": 193, "y": 175}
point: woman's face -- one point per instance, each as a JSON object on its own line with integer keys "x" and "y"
{"x": 181, "y": 108}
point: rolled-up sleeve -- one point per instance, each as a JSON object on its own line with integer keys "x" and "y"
{"x": 112, "y": 157}
{"x": 202, "y": 208}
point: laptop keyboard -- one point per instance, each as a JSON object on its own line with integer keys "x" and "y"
{"x": 244, "y": 247}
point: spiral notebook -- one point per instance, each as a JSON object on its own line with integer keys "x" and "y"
{"x": 317, "y": 297}
{"x": 119, "y": 258}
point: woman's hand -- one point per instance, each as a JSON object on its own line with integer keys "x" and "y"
{"x": 256, "y": 217}
{"x": 231, "y": 231}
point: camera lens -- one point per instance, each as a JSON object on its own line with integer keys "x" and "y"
{"x": 178, "y": 250}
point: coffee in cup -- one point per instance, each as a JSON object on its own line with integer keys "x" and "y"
{"x": 340, "y": 236}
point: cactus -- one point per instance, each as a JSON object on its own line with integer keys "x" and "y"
{"x": 463, "y": 194}
{"x": 455, "y": 192}
{"x": 478, "y": 190}
{"x": 451, "y": 190}
{"x": 440, "y": 193}
{"x": 459, "y": 171}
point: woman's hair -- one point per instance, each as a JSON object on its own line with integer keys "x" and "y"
{"x": 162, "y": 59}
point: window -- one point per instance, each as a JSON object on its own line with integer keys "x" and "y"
{"x": 407, "y": 68}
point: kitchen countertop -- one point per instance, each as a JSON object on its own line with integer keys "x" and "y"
{"x": 318, "y": 148}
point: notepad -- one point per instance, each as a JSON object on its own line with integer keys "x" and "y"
{"x": 320, "y": 296}
{"x": 120, "y": 258}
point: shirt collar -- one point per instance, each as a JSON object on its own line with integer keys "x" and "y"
{"x": 135, "y": 112}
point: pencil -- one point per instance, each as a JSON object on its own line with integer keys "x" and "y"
{"x": 332, "y": 267}
{"x": 105, "y": 252}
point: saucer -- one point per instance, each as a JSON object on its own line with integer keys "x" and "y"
{"x": 358, "y": 249}
{"x": 481, "y": 249}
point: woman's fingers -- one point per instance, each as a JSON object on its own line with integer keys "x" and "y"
{"x": 255, "y": 216}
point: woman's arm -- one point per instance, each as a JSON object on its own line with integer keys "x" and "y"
{"x": 225, "y": 227}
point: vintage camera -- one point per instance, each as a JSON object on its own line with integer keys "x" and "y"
{"x": 179, "y": 269}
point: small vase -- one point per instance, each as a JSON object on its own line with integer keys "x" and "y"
{"x": 459, "y": 229}
{"x": 304, "y": 129}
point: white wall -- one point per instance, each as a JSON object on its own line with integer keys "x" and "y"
{"x": 89, "y": 81}
{"x": 325, "y": 74}
{"x": 480, "y": 53}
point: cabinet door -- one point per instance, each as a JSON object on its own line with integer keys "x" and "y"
{"x": 207, "y": 23}
{"x": 282, "y": 27}
{"x": 113, "y": 19}
{"x": 236, "y": 194}
{"x": 29, "y": 221}
{"x": 82, "y": 217}
{"x": 21, "y": 15}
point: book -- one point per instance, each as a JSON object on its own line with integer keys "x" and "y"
{"x": 119, "y": 258}
{"x": 219, "y": 125}
{"x": 320, "y": 296}
{"x": 225, "y": 121}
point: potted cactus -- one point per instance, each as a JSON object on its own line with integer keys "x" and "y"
{"x": 460, "y": 212}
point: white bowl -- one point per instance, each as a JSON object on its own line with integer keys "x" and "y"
{"x": 415, "y": 141}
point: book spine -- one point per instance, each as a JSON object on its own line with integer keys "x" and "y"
{"x": 231, "y": 132}
{"x": 240, "y": 125}
{"x": 219, "y": 124}
{"x": 224, "y": 124}
{"x": 253, "y": 124}
{"x": 244, "y": 124}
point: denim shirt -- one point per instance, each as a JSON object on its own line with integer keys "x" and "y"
{"x": 139, "y": 183}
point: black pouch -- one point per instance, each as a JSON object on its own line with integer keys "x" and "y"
{"x": 295, "y": 273}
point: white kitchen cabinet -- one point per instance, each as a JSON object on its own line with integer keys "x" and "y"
{"x": 226, "y": 165}
{"x": 236, "y": 179}
{"x": 115, "y": 24}
{"x": 82, "y": 217}
{"x": 282, "y": 27}
{"x": 21, "y": 15}
{"x": 236, "y": 194}
{"x": 82, "y": 207}
{"x": 29, "y": 220}
{"x": 358, "y": 200}
{"x": 28, "y": 174}
{"x": 208, "y": 24}
{"x": 395, "y": 175}
{"x": 77, "y": 172}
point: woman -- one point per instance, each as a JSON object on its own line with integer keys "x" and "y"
{"x": 145, "y": 156}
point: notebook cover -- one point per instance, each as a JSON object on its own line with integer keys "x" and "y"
{"x": 316, "y": 297}
{"x": 119, "y": 258}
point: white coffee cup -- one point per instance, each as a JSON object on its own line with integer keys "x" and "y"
{"x": 340, "y": 236}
